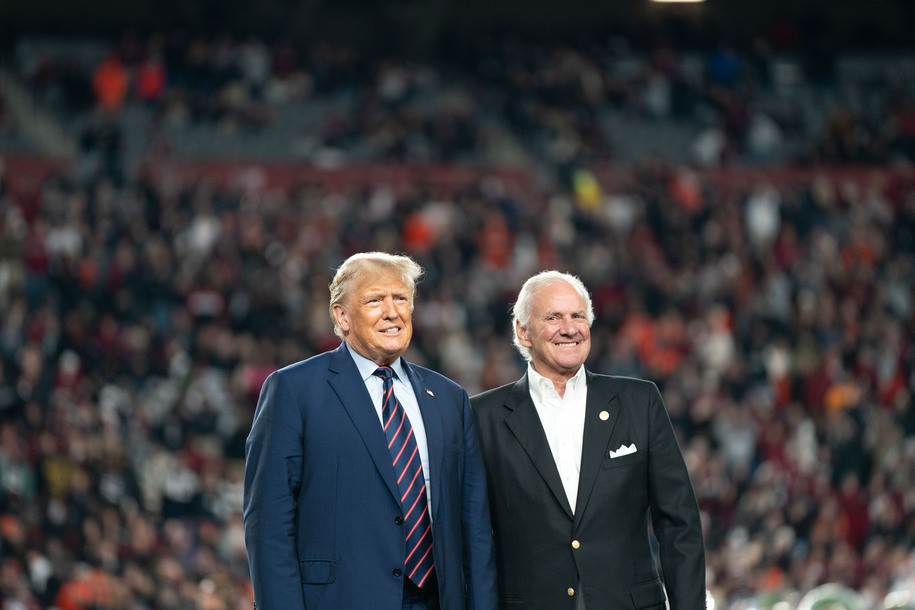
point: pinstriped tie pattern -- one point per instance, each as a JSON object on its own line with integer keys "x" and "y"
{"x": 408, "y": 469}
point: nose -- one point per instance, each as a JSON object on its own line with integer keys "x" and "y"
{"x": 568, "y": 327}
{"x": 388, "y": 308}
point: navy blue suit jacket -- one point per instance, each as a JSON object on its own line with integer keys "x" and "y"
{"x": 321, "y": 504}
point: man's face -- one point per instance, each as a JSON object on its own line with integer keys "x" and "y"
{"x": 558, "y": 334}
{"x": 376, "y": 314}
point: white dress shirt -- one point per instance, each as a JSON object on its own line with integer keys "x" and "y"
{"x": 403, "y": 389}
{"x": 563, "y": 421}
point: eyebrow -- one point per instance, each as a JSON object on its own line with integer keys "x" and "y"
{"x": 380, "y": 293}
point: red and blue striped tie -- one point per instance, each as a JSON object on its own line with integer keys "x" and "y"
{"x": 408, "y": 468}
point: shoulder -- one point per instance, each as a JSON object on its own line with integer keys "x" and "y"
{"x": 315, "y": 365}
{"x": 621, "y": 383}
{"x": 433, "y": 379}
{"x": 493, "y": 397}
{"x": 628, "y": 390}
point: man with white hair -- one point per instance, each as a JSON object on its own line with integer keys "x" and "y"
{"x": 576, "y": 463}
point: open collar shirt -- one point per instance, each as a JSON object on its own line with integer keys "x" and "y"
{"x": 563, "y": 421}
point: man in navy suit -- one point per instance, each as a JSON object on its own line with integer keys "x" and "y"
{"x": 326, "y": 517}
{"x": 576, "y": 464}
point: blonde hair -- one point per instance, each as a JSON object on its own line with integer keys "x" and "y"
{"x": 365, "y": 262}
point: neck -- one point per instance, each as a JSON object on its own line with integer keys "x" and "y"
{"x": 560, "y": 381}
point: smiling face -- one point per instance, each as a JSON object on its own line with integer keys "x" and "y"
{"x": 557, "y": 335}
{"x": 376, "y": 315}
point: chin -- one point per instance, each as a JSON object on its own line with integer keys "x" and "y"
{"x": 571, "y": 365}
{"x": 395, "y": 351}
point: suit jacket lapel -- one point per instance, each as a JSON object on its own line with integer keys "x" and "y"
{"x": 348, "y": 385}
{"x": 601, "y": 399}
{"x": 523, "y": 421}
{"x": 432, "y": 422}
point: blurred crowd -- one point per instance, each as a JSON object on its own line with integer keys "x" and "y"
{"x": 140, "y": 316}
{"x": 498, "y": 100}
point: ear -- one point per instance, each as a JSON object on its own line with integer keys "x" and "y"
{"x": 521, "y": 332}
{"x": 341, "y": 318}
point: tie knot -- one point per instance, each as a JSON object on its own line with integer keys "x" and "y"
{"x": 385, "y": 372}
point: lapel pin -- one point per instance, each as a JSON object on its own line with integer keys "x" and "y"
{"x": 604, "y": 416}
{"x": 429, "y": 392}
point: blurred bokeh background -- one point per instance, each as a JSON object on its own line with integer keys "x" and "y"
{"x": 178, "y": 181}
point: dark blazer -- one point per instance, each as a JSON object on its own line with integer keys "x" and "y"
{"x": 321, "y": 506}
{"x": 543, "y": 551}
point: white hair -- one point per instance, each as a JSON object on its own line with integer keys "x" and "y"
{"x": 521, "y": 311}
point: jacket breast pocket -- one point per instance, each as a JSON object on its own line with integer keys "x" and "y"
{"x": 318, "y": 572}
{"x": 624, "y": 460}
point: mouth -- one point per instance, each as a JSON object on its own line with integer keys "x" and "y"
{"x": 567, "y": 344}
{"x": 390, "y": 331}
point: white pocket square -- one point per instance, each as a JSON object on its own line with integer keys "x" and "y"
{"x": 623, "y": 450}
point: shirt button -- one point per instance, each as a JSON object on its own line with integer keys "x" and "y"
{"x": 398, "y": 520}
{"x": 398, "y": 573}
{"x": 571, "y": 592}
{"x": 575, "y": 544}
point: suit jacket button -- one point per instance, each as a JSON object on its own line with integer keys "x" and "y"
{"x": 576, "y": 544}
{"x": 398, "y": 572}
{"x": 571, "y": 592}
{"x": 398, "y": 520}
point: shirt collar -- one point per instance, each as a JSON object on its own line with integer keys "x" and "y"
{"x": 367, "y": 368}
{"x": 539, "y": 384}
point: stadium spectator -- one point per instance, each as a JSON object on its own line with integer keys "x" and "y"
{"x": 141, "y": 312}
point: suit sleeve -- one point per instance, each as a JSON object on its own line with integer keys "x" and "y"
{"x": 479, "y": 554}
{"x": 674, "y": 513}
{"x": 273, "y": 463}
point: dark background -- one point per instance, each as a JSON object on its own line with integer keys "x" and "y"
{"x": 432, "y": 26}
